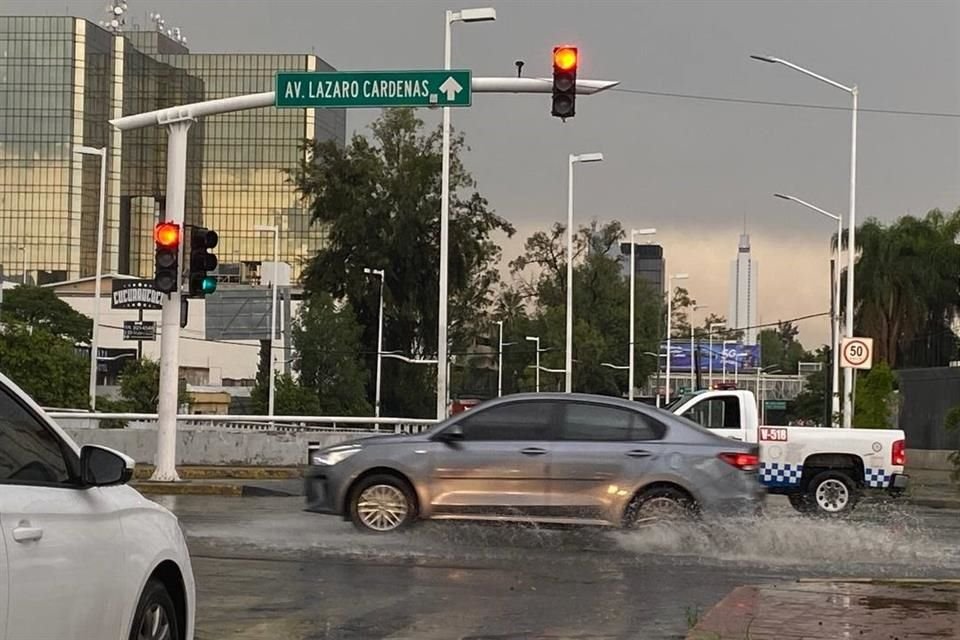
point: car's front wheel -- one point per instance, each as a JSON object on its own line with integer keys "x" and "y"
{"x": 382, "y": 504}
{"x": 156, "y": 616}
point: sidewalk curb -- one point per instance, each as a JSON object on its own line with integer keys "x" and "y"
{"x": 934, "y": 503}
{"x": 226, "y": 472}
{"x": 221, "y": 489}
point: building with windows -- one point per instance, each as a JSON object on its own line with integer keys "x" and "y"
{"x": 63, "y": 78}
{"x": 742, "y": 314}
{"x": 649, "y": 264}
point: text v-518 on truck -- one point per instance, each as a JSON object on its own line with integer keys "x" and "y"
{"x": 820, "y": 470}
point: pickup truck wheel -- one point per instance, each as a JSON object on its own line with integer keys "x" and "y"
{"x": 832, "y": 493}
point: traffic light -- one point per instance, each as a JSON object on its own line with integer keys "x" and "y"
{"x": 565, "y": 60}
{"x": 201, "y": 261}
{"x": 166, "y": 277}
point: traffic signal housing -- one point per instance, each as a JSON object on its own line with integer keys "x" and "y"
{"x": 201, "y": 282}
{"x": 166, "y": 236}
{"x": 565, "y": 62}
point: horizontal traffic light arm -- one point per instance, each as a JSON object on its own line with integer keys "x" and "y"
{"x": 268, "y": 99}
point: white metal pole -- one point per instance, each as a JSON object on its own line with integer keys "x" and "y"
{"x": 568, "y": 373}
{"x": 538, "y": 364}
{"x": 376, "y": 400}
{"x": 500, "y": 361}
{"x": 835, "y": 359}
{"x": 669, "y": 331}
{"x": 851, "y": 260}
{"x": 273, "y": 322}
{"x": 444, "y": 241}
{"x": 710, "y": 362}
{"x": 95, "y": 341}
{"x": 693, "y": 355}
{"x": 633, "y": 320}
{"x": 166, "y": 468}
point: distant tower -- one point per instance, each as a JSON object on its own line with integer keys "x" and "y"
{"x": 743, "y": 292}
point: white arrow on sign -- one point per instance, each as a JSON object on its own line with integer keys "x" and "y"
{"x": 451, "y": 87}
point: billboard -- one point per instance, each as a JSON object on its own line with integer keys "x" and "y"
{"x": 729, "y": 357}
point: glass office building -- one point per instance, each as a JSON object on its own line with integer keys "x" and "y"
{"x": 63, "y": 78}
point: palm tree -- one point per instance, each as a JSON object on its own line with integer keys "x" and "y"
{"x": 907, "y": 286}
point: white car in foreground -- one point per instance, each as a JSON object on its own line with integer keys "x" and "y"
{"x": 82, "y": 555}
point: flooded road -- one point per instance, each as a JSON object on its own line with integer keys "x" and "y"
{"x": 266, "y": 569}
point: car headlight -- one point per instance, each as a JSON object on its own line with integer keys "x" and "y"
{"x": 336, "y": 455}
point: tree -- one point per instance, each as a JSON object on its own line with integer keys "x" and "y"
{"x": 601, "y": 307}
{"x": 140, "y": 386}
{"x": 779, "y": 347}
{"x": 49, "y": 368}
{"x": 681, "y": 306}
{"x": 327, "y": 345}
{"x": 378, "y": 199}
{"x": 40, "y": 308}
{"x": 809, "y": 403}
{"x": 906, "y": 288}
{"x": 874, "y": 400}
{"x": 290, "y": 398}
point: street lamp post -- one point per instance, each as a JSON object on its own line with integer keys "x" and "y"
{"x": 676, "y": 276}
{"x": 464, "y": 15}
{"x": 852, "y": 221}
{"x": 275, "y": 230}
{"x": 713, "y": 326}
{"x": 536, "y": 340}
{"x": 376, "y": 399}
{"x": 573, "y": 159}
{"x": 100, "y": 152}
{"x": 500, "y": 360}
{"x": 633, "y": 303}
{"x": 834, "y": 310}
{"x": 694, "y": 352}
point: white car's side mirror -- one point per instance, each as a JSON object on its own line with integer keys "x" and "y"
{"x": 103, "y": 467}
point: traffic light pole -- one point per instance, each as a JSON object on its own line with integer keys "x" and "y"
{"x": 166, "y": 462}
{"x": 177, "y": 120}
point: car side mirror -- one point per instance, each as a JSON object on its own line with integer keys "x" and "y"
{"x": 453, "y": 433}
{"x": 103, "y": 467}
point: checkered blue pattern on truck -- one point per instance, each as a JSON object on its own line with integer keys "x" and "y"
{"x": 780, "y": 474}
{"x": 876, "y": 478}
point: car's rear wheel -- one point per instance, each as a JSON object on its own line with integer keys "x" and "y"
{"x": 156, "y": 616}
{"x": 382, "y": 504}
{"x": 832, "y": 493}
{"x": 659, "y": 504}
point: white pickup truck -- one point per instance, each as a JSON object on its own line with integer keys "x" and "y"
{"x": 820, "y": 470}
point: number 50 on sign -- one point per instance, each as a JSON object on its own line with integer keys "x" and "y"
{"x": 856, "y": 353}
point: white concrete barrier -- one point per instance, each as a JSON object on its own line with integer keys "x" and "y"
{"x": 213, "y": 447}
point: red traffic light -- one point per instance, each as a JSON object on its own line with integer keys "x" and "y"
{"x": 167, "y": 235}
{"x": 565, "y": 58}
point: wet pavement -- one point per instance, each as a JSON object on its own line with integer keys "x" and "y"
{"x": 265, "y": 569}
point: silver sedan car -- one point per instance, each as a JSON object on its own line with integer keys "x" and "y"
{"x": 546, "y": 458}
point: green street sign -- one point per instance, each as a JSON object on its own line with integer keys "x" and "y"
{"x": 358, "y": 89}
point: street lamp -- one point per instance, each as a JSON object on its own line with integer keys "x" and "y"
{"x": 23, "y": 259}
{"x": 573, "y": 159}
{"x": 464, "y": 15}
{"x": 618, "y": 367}
{"x": 694, "y": 352}
{"x": 536, "y": 340}
{"x": 761, "y": 371}
{"x": 834, "y": 307}
{"x": 713, "y": 327}
{"x": 633, "y": 302}
{"x": 275, "y": 230}
{"x": 676, "y": 276}
{"x": 852, "y": 221}
{"x": 403, "y": 358}
{"x": 376, "y": 399}
{"x": 95, "y": 341}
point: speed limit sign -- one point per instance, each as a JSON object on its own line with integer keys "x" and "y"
{"x": 856, "y": 353}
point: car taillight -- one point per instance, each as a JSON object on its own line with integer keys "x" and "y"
{"x": 898, "y": 455}
{"x": 742, "y": 461}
